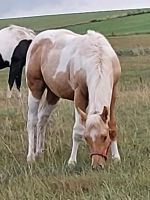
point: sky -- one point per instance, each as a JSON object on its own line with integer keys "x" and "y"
{"x": 23, "y": 8}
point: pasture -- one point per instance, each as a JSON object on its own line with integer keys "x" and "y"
{"x": 51, "y": 178}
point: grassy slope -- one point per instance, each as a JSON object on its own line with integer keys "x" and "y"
{"x": 125, "y": 25}
{"x": 119, "y": 26}
{"x": 52, "y": 21}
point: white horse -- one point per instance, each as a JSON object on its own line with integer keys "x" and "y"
{"x": 14, "y": 43}
{"x": 82, "y": 68}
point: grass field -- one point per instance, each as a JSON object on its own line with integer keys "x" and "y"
{"x": 53, "y": 21}
{"x": 136, "y": 24}
{"x": 50, "y": 178}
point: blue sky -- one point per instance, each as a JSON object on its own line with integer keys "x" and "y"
{"x": 20, "y": 8}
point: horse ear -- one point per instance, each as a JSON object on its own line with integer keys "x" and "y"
{"x": 82, "y": 114}
{"x": 104, "y": 114}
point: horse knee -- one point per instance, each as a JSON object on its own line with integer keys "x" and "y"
{"x": 112, "y": 130}
{"x": 77, "y": 137}
{"x": 112, "y": 134}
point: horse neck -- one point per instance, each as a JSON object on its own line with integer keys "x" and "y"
{"x": 99, "y": 89}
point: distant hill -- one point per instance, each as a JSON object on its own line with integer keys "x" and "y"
{"x": 113, "y": 23}
{"x": 124, "y": 25}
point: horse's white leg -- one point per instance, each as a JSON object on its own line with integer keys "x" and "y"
{"x": 114, "y": 151}
{"x": 113, "y": 128}
{"x": 33, "y": 105}
{"x": 43, "y": 115}
{"x": 46, "y": 107}
{"x": 78, "y": 131}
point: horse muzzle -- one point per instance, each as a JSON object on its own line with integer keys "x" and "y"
{"x": 99, "y": 158}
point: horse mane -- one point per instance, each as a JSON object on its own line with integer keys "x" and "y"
{"x": 95, "y": 49}
{"x": 96, "y": 44}
{"x": 26, "y": 30}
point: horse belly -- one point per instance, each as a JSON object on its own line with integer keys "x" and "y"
{"x": 60, "y": 85}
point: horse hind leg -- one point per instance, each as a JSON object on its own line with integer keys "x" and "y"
{"x": 11, "y": 80}
{"x": 18, "y": 79}
{"x": 35, "y": 93}
{"x": 45, "y": 109}
{"x": 15, "y": 75}
{"x": 33, "y": 104}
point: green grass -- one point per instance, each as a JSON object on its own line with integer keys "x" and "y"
{"x": 81, "y": 22}
{"x": 136, "y": 24}
{"x": 50, "y": 178}
{"x": 52, "y": 21}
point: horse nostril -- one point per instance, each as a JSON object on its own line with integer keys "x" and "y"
{"x": 101, "y": 166}
{"x": 98, "y": 167}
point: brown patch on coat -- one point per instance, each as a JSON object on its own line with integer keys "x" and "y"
{"x": 51, "y": 98}
{"x": 81, "y": 91}
{"x": 35, "y": 79}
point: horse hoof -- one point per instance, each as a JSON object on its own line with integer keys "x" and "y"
{"x": 71, "y": 163}
{"x": 31, "y": 158}
{"x": 19, "y": 95}
{"x": 39, "y": 156}
{"x": 98, "y": 167}
{"x": 116, "y": 159}
{"x": 8, "y": 96}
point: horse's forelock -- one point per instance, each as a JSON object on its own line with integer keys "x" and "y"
{"x": 93, "y": 120}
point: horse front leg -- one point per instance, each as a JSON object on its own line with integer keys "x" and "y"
{"x": 78, "y": 129}
{"x": 113, "y": 128}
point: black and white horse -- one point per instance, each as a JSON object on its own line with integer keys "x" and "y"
{"x": 14, "y": 43}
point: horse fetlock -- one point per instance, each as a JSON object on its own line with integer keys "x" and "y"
{"x": 19, "y": 95}
{"x": 31, "y": 158}
{"x": 39, "y": 152}
{"x": 72, "y": 162}
{"x": 116, "y": 158}
{"x": 9, "y": 94}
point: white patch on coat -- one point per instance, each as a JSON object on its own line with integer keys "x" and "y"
{"x": 93, "y": 134}
{"x": 10, "y": 38}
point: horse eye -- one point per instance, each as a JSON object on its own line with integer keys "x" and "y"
{"x": 85, "y": 137}
{"x": 103, "y": 138}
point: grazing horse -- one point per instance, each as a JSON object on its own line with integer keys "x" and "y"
{"x": 14, "y": 43}
{"x": 81, "y": 68}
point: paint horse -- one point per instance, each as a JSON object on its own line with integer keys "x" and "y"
{"x": 81, "y": 68}
{"x": 14, "y": 43}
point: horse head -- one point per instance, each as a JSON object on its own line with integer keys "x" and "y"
{"x": 97, "y": 136}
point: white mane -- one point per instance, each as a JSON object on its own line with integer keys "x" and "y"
{"x": 96, "y": 47}
{"x": 100, "y": 52}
